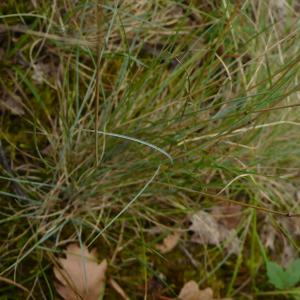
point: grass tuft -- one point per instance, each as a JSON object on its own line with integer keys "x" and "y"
{"x": 121, "y": 119}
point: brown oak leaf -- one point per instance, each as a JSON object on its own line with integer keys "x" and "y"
{"x": 191, "y": 291}
{"x": 80, "y": 277}
{"x": 208, "y": 230}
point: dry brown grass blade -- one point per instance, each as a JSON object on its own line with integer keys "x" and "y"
{"x": 80, "y": 276}
{"x": 118, "y": 289}
{"x": 6, "y": 280}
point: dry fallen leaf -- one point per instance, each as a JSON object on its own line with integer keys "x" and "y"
{"x": 227, "y": 214}
{"x": 268, "y": 235}
{"x": 42, "y": 72}
{"x": 207, "y": 229}
{"x": 80, "y": 276}
{"x": 38, "y": 73}
{"x": 169, "y": 243}
{"x": 12, "y": 103}
{"x": 273, "y": 239}
{"x": 191, "y": 291}
{"x": 289, "y": 253}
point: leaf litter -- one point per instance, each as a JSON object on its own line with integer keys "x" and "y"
{"x": 79, "y": 275}
{"x": 217, "y": 227}
{"x": 191, "y": 291}
{"x": 168, "y": 243}
{"x": 12, "y": 103}
{"x": 273, "y": 235}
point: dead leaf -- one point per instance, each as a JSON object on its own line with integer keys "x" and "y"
{"x": 288, "y": 254}
{"x": 38, "y": 73}
{"x": 191, "y": 291}
{"x": 80, "y": 276}
{"x": 227, "y": 214}
{"x": 43, "y": 72}
{"x": 205, "y": 228}
{"x": 169, "y": 243}
{"x": 268, "y": 235}
{"x": 12, "y": 103}
{"x": 208, "y": 230}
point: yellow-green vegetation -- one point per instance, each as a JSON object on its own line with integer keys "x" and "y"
{"x": 122, "y": 119}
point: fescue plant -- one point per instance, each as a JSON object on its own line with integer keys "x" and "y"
{"x": 120, "y": 119}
